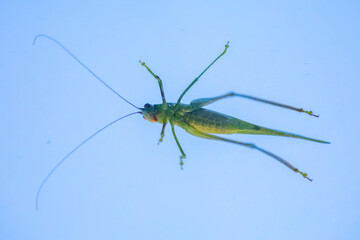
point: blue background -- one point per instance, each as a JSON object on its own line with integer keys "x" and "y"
{"x": 121, "y": 184}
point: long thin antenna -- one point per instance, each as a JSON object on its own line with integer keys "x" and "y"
{"x": 71, "y": 152}
{"x": 82, "y": 64}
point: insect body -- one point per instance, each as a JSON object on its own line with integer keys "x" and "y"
{"x": 203, "y": 122}
{"x": 193, "y": 118}
{"x": 207, "y": 121}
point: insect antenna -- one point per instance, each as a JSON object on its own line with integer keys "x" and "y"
{"x": 72, "y": 151}
{"x": 82, "y": 64}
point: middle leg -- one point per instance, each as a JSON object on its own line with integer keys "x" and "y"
{"x": 183, "y": 155}
{"x": 196, "y": 79}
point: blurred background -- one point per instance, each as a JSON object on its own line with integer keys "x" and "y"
{"x": 121, "y": 184}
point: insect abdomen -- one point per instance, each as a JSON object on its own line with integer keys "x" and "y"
{"x": 210, "y": 121}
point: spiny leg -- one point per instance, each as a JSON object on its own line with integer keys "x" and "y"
{"x": 162, "y": 132}
{"x": 183, "y": 156}
{"x": 283, "y": 162}
{"x": 196, "y": 79}
{"x": 159, "y": 81}
{"x": 198, "y": 133}
{"x": 201, "y": 102}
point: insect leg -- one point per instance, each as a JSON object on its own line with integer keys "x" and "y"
{"x": 162, "y": 132}
{"x": 183, "y": 156}
{"x": 196, "y": 79}
{"x": 272, "y": 103}
{"x": 201, "y": 102}
{"x": 159, "y": 81}
{"x": 198, "y": 133}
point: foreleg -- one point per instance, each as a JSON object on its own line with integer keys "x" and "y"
{"x": 162, "y": 132}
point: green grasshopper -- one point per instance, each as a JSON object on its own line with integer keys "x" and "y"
{"x": 193, "y": 118}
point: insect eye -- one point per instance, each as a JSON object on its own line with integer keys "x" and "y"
{"x": 146, "y": 105}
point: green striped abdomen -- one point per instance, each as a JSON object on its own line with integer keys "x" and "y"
{"x": 209, "y": 121}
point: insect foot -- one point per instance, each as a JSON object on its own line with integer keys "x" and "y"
{"x": 303, "y": 174}
{"x": 181, "y": 161}
{"x": 308, "y": 112}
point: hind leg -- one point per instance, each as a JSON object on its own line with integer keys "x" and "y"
{"x": 198, "y": 133}
{"x": 201, "y": 102}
